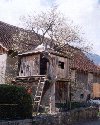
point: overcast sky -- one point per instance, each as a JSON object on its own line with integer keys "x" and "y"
{"x": 85, "y": 13}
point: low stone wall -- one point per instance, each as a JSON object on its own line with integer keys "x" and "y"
{"x": 68, "y": 118}
{"x": 63, "y": 118}
{"x": 17, "y": 122}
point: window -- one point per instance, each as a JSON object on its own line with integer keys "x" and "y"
{"x": 61, "y": 65}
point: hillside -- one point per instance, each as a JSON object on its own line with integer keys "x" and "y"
{"x": 95, "y": 58}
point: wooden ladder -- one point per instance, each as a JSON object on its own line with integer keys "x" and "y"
{"x": 38, "y": 95}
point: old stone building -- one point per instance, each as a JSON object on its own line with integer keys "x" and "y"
{"x": 84, "y": 74}
{"x": 52, "y": 77}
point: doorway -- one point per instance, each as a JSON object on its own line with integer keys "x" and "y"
{"x": 43, "y": 65}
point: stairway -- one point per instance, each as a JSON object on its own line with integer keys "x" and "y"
{"x": 38, "y": 94}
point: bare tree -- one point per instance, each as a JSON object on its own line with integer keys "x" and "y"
{"x": 53, "y": 25}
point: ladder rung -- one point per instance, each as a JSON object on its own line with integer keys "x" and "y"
{"x": 40, "y": 91}
{"x": 42, "y": 82}
{"x": 38, "y": 96}
{"x": 36, "y": 101}
{"x": 42, "y": 77}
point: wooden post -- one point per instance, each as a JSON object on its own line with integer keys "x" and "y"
{"x": 70, "y": 94}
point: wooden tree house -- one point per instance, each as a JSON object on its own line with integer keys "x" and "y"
{"x": 47, "y": 73}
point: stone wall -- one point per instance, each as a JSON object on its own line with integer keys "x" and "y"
{"x": 17, "y": 122}
{"x": 3, "y": 58}
{"x": 68, "y": 118}
{"x": 81, "y": 90}
{"x": 90, "y": 82}
{"x": 11, "y": 68}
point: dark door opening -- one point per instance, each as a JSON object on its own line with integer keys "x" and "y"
{"x": 43, "y": 65}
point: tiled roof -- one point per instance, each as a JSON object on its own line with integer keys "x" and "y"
{"x": 6, "y": 38}
{"x": 82, "y": 62}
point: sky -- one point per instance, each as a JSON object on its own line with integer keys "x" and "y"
{"x": 84, "y": 13}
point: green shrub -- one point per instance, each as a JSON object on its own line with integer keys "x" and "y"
{"x": 15, "y": 102}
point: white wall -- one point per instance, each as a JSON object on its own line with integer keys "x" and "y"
{"x": 3, "y": 59}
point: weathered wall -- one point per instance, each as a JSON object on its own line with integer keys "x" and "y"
{"x": 62, "y": 91}
{"x": 11, "y": 68}
{"x": 82, "y": 77}
{"x": 3, "y": 59}
{"x": 90, "y": 81}
{"x": 17, "y": 122}
{"x": 90, "y": 77}
{"x": 58, "y": 70}
{"x": 48, "y": 99}
{"x": 68, "y": 118}
{"x": 80, "y": 90}
{"x": 73, "y": 75}
{"x": 30, "y": 65}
